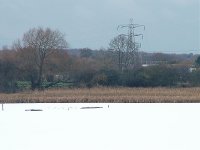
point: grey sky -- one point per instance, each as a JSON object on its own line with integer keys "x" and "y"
{"x": 171, "y": 25}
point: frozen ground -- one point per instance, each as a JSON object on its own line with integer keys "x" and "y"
{"x": 117, "y": 127}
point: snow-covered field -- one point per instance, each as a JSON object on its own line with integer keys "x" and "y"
{"x": 110, "y": 127}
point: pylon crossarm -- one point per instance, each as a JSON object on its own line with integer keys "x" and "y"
{"x": 122, "y": 26}
{"x": 139, "y": 35}
{"x": 138, "y": 25}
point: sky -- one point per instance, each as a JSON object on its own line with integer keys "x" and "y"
{"x": 171, "y": 25}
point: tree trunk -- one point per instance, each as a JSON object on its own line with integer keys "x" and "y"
{"x": 39, "y": 82}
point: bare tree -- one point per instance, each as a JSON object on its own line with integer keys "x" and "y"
{"x": 119, "y": 44}
{"x": 42, "y": 43}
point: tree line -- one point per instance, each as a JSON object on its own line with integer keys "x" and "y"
{"x": 42, "y": 59}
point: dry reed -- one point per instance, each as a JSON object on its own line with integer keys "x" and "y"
{"x": 106, "y": 95}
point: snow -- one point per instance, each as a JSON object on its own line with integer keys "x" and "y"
{"x": 113, "y": 127}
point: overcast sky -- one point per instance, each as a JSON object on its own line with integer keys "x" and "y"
{"x": 171, "y": 25}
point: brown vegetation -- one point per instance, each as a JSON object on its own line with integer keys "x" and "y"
{"x": 40, "y": 60}
{"x": 106, "y": 95}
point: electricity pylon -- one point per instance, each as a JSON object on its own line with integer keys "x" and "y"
{"x": 132, "y": 47}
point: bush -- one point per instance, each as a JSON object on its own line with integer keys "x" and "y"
{"x": 154, "y": 76}
{"x": 8, "y": 76}
{"x": 195, "y": 78}
{"x": 106, "y": 77}
{"x": 23, "y": 85}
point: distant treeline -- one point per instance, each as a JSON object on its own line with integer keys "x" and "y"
{"x": 41, "y": 59}
{"x": 88, "y": 68}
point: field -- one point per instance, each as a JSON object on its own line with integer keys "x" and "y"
{"x": 105, "y": 95}
{"x": 120, "y": 127}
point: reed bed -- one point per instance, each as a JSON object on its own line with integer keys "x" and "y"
{"x": 106, "y": 95}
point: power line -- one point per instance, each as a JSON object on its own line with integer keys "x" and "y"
{"x": 132, "y": 56}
